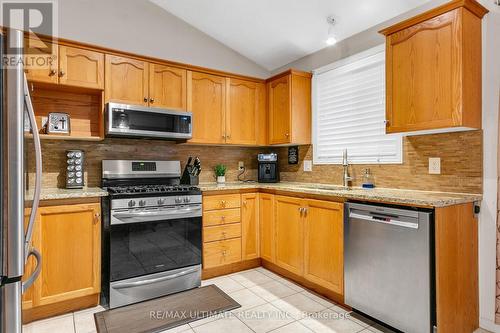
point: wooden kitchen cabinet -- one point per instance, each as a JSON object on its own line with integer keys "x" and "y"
{"x": 167, "y": 87}
{"x": 267, "y": 227}
{"x": 81, "y": 68}
{"x": 433, "y": 69}
{"x": 126, "y": 80}
{"x": 324, "y": 244}
{"x": 289, "y": 106}
{"x": 41, "y": 61}
{"x": 207, "y": 102}
{"x": 289, "y": 232}
{"x": 242, "y": 111}
{"x": 68, "y": 239}
{"x": 250, "y": 226}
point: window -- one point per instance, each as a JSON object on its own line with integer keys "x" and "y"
{"x": 349, "y": 112}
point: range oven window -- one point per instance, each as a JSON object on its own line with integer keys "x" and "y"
{"x": 150, "y": 121}
{"x": 149, "y": 247}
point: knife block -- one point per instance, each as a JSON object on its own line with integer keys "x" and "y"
{"x": 187, "y": 178}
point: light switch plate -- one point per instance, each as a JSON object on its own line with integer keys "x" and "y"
{"x": 308, "y": 165}
{"x": 241, "y": 165}
{"x": 434, "y": 165}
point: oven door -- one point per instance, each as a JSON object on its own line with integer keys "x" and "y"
{"x": 140, "y": 121}
{"x": 153, "y": 240}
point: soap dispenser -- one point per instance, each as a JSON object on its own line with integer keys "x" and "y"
{"x": 368, "y": 179}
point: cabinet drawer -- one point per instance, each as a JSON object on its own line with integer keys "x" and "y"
{"x": 221, "y": 252}
{"x": 221, "y": 201}
{"x": 221, "y": 232}
{"x": 223, "y": 216}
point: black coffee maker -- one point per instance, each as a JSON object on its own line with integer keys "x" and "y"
{"x": 268, "y": 168}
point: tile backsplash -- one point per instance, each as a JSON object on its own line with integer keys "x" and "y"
{"x": 460, "y": 153}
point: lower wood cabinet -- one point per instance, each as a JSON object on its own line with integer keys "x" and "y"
{"x": 69, "y": 239}
{"x": 289, "y": 236}
{"x": 250, "y": 226}
{"x": 266, "y": 223}
{"x": 324, "y": 244}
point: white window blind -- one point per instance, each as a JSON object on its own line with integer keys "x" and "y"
{"x": 349, "y": 112}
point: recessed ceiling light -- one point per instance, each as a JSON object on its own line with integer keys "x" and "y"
{"x": 330, "y": 40}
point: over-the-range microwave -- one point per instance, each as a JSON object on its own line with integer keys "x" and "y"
{"x": 145, "y": 122}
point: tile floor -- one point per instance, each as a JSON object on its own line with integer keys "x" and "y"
{"x": 269, "y": 303}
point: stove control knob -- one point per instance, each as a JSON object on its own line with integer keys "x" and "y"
{"x": 142, "y": 203}
{"x": 187, "y": 199}
{"x": 178, "y": 200}
{"x": 161, "y": 201}
{"x": 131, "y": 203}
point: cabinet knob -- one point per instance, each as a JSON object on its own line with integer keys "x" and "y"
{"x": 97, "y": 217}
{"x": 224, "y": 253}
{"x": 151, "y": 100}
{"x": 287, "y": 135}
{"x": 52, "y": 72}
{"x": 223, "y": 203}
{"x": 145, "y": 99}
{"x": 61, "y": 73}
{"x": 228, "y": 136}
{"x": 387, "y": 122}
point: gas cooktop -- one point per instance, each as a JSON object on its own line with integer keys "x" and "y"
{"x": 153, "y": 189}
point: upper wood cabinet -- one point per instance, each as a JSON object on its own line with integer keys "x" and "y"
{"x": 433, "y": 69}
{"x": 167, "y": 87}
{"x": 289, "y": 106}
{"x": 41, "y": 60}
{"x": 126, "y": 80}
{"x": 242, "y": 112}
{"x": 289, "y": 234}
{"x": 81, "y": 68}
{"x": 324, "y": 234}
{"x": 64, "y": 65}
{"x": 207, "y": 101}
{"x": 250, "y": 226}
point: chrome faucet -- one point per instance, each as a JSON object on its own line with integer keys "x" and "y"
{"x": 345, "y": 164}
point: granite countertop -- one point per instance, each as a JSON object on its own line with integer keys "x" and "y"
{"x": 396, "y": 196}
{"x": 64, "y": 193}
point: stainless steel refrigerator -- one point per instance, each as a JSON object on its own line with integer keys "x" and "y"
{"x": 15, "y": 238}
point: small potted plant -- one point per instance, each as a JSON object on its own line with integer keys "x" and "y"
{"x": 220, "y": 173}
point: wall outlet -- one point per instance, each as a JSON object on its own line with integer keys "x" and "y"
{"x": 241, "y": 165}
{"x": 308, "y": 165}
{"x": 434, "y": 165}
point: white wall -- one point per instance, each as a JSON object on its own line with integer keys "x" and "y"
{"x": 487, "y": 224}
{"x": 141, "y": 27}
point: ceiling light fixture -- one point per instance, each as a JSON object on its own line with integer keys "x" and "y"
{"x": 330, "y": 40}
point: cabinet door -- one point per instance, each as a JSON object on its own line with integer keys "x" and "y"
{"x": 289, "y": 234}
{"x": 69, "y": 242}
{"x": 81, "y": 68}
{"x": 250, "y": 226}
{"x": 423, "y": 75}
{"x": 126, "y": 80}
{"x": 279, "y": 94}
{"x": 207, "y": 101}
{"x": 40, "y": 60}
{"x": 167, "y": 87}
{"x": 267, "y": 227}
{"x": 323, "y": 244}
{"x": 241, "y": 114}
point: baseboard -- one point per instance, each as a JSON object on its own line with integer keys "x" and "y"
{"x": 59, "y": 308}
{"x": 208, "y": 273}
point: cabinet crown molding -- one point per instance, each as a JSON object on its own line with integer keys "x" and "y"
{"x": 471, "y": 5}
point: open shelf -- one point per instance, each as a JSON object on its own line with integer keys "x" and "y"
{"x": 85, "y": 109}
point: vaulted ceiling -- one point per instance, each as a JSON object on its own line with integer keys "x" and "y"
{"x": 274, "y": 33}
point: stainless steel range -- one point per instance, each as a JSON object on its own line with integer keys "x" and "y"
{"x": 151, "y": 231}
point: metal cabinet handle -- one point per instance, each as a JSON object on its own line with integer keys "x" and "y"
{"x": 151, "y": 100}
{"x": 61, "y": 73}
{"x": 287, "y": 135}
{"x": 52, "y": 72}
{"x": 97, "y": 218}
{"x": 145, "y": 99}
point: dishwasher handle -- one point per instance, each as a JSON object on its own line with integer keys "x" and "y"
{"x": 384, "y": 220}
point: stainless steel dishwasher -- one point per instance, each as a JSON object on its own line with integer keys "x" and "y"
{"x": 389, "y": 265}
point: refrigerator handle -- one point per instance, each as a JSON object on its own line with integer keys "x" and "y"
{"x": 38, "y": 175}
{"x": 34, "y": 275}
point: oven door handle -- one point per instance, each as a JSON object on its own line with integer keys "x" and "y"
{"x": 156, "y": 280}
{"x": 158, "y": 213}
